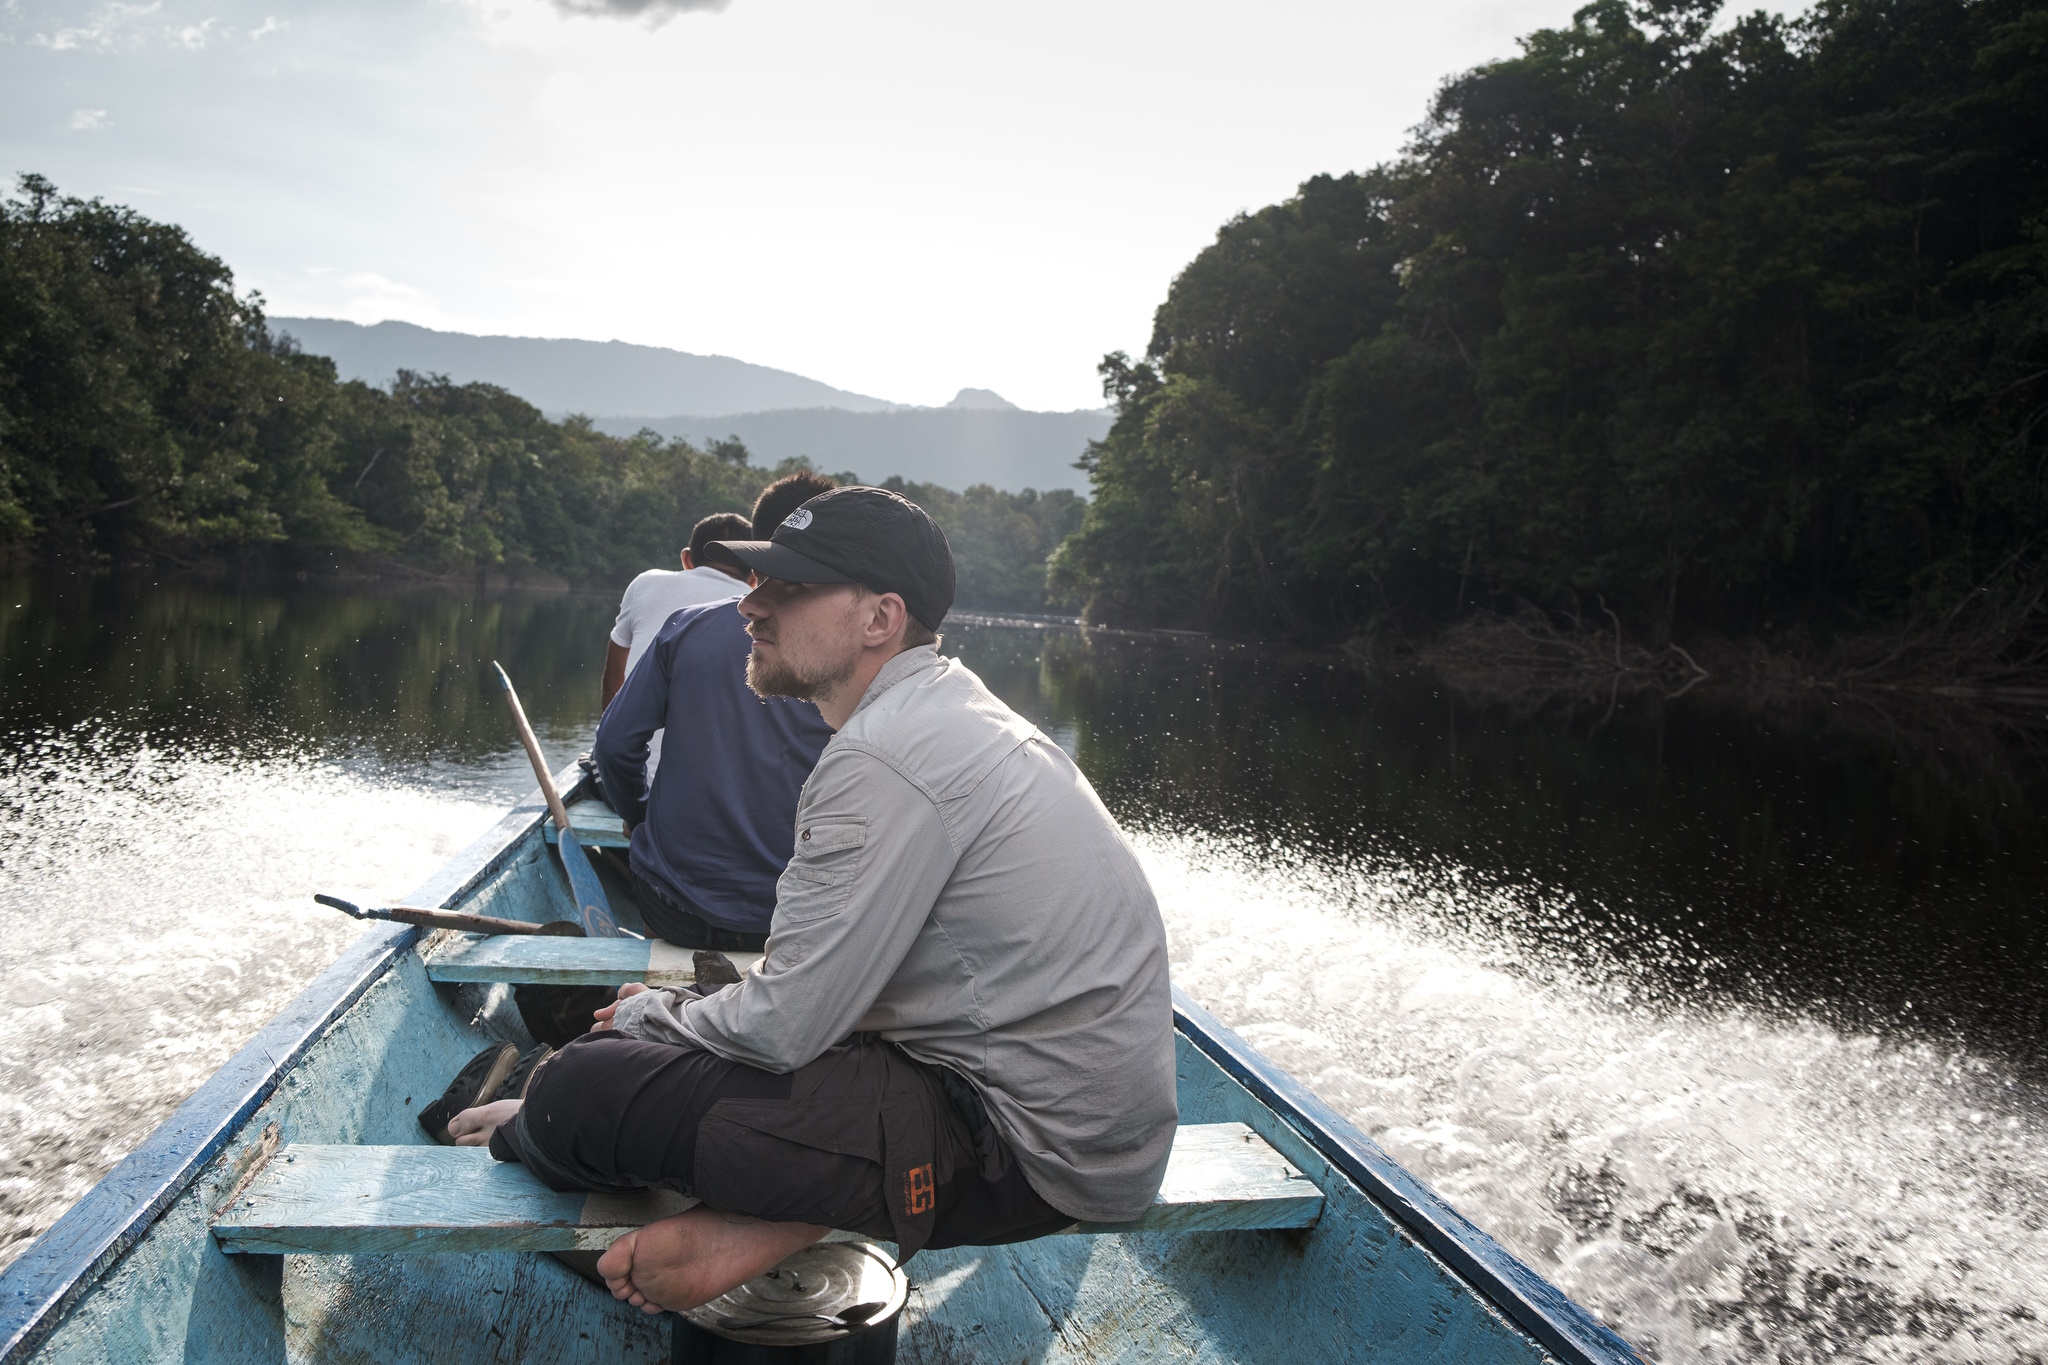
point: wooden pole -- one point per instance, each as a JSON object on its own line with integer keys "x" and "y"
{"x": 591, "y": 905}
{"x": 533, "y": 753}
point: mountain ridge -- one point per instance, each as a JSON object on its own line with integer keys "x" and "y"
{"x": 568, "y": 374}
{"x": 978, "y": 438}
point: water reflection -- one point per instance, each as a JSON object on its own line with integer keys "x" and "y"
{"x": 1729, "y": 1021}
{"x": 1789, "y": 860}
{"x": 403, "y": 672}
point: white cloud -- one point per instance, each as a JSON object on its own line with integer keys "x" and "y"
{"x": 119, "y": 26}
{"x": 113, "y": 26}
{"x": 655, "y": 12}
{"x": 88, "y": 120}
{"x": 374, "y": 298}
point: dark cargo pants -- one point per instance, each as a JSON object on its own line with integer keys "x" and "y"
{"x": 865, "y": 1138}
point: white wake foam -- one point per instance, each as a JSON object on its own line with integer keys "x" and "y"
{"x": 1718, "y": 1185}
{"x": 155, "y": 912}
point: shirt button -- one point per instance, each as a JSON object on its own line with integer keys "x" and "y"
{"x": 807, "y": 834}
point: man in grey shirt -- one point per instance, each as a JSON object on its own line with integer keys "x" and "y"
{"x": 961, "y": 1032}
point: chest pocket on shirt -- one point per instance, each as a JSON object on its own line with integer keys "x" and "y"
{"x": 822, "y": 869}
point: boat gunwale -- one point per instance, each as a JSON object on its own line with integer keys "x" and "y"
{"x": 1559, "y": 1323}
{"x": 74, "y": 1253}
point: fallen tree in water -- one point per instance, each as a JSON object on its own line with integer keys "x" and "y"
{"x": 1989, "y": 646}
{"x": 1531, "y": 656}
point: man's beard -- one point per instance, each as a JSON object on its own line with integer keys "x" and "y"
{"x": 779, "y": 679}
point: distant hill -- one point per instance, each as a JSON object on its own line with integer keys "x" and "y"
{"x": 983, "y": 399}
{"x": 598, "y": 378}
{"x": 955, "y": 446}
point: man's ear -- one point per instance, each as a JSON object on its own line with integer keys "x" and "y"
{"x": 887, "y": 618}
{"x": 689, "y": 560}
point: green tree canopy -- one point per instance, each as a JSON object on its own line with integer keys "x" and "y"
{"x": 1718, "y": 327}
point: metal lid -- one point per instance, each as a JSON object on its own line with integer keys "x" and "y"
{"x": 826, "y": 1291}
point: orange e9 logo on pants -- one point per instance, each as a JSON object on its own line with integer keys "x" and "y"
{"x": 918, "y": 1192}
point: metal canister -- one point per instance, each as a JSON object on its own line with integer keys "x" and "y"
{"x": 833, "y": 1303}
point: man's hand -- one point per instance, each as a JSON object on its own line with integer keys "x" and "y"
{"x": 473, "y": 1127}
{"x": 604, "y": 1016}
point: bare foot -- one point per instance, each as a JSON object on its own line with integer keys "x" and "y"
{"x": 473, "y": 1127}
{"x": 694, "y": 1257}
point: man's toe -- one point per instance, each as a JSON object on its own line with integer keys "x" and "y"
{"x": 616, "y": 1265}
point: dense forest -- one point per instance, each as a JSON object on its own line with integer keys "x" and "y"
{"x": 147, "y": 413}
{"x": 1737, "y": 328}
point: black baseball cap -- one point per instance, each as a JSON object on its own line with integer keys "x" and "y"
{"x": 870, "y": 536}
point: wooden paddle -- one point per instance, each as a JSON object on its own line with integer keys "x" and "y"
{"x": 583, "y": 884}
{"x": 452, "y": 919}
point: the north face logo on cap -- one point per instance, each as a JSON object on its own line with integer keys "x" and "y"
{"x": 797, "y": 520}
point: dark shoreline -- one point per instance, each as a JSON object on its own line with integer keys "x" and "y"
{"x": 1526, "y": 662}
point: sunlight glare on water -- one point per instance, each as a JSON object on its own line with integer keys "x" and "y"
{"x": 155, "y": 913}
{"x": 1718, "y": 1186}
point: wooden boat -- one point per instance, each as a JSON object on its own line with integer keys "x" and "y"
{"x": 291, "y": 1209}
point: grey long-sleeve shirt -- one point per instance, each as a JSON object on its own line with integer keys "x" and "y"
{"x": 959, "y": 889}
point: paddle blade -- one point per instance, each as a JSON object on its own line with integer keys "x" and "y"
{"x": 591, "y": 904}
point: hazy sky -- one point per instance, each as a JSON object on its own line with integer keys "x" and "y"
{"x": 899, "y": 197}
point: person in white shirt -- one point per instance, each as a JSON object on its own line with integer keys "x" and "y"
{"x": 658, "y": 594}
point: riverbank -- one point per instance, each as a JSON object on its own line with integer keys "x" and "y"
{"x": 1532, "y": 658}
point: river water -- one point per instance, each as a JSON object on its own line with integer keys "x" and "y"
{"x": 1727, "y": 1019}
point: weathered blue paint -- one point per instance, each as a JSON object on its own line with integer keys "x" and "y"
{"x": 337, "y": 1198}
{"x": 331, "y": 1199}
{"x": 596, "y": 824}
{"x": 593, "y": 907}
{"x": 1387, "y": 1273}
{"x": 532, "y": 959}
{"x": 1223, "y": 1177}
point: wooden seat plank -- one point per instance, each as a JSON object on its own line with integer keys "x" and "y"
{"x": 376, "y": 1200}
{"x": 596, "y": 824}
{"x": 1220, "y": 1177}
{"x": 529, "y": 959}
{"x": 318, "y": 1199}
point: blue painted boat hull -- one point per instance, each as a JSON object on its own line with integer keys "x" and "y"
{"x": 1389, "y": 1273}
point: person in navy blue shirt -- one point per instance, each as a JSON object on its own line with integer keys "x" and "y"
{"x": 715, "y": 832}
